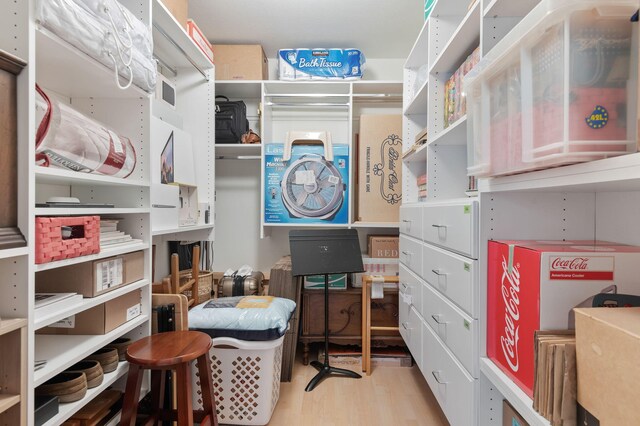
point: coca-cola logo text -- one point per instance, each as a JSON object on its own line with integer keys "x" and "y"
{"x": 575, "y": 264}
{"x": 511, "y": 297}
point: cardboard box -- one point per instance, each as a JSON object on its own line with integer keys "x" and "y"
{"x": 379, "y": 168}
{"x": 92, "y": 279}
{"x": 535, "y": 285}
{"x": 199, "y": 38}
{"x": 240, "y": 62}
{"x": 100, "y": 319}
{"x": 377, "y": 266}
{"x": 607, "y": 348}
{"x": 383, "y": 246}
{"x": 179, "y": 9}
{"x": 336, "y": 282}
{"x": 510, "y": 417}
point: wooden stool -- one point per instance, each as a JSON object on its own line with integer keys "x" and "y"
{"x": 367, "y": 280}
{"x": 170, "y": 351}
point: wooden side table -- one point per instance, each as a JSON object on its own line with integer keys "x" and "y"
{"x": 367, "y": 281}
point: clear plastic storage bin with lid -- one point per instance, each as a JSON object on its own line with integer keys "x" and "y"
{"x": 558, "y": 89}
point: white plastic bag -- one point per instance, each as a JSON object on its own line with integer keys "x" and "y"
{"x": 106, "y": 31}
{"x": 70, "y": 140}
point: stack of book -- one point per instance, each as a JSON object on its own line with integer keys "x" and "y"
{"x": 110, "y": 237}
{"x": 422, "y": 187}
{"x": 555, "y": 376}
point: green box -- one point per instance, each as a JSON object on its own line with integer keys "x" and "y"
{"x": 428, "y": 7}
{"x": 336, "y": 282}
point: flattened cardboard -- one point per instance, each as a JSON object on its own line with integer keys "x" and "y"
{"x": 179, "y": 9}
{"x": 82, "y": 278}
{"x": 510, "y": 417}
{"x": 383, "y": 246}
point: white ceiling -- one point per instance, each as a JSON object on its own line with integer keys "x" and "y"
{"x": 379, "y": 28}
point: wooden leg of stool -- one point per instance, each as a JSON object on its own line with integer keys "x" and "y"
{"x": 183, "y": 389}
{"x": 131, "y": 396}
{"x": 364, "y": 327}
{"x": 368, "y": 325}
{"x": 206, "y": 386}
{"x": 157, "y": 393}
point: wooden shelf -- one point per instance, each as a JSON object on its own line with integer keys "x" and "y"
{"x": 7, "y": 401}
{"x": 512, "y": 393}
{"x": 60, "y": 352}
{"x": 8, "y": 325}
{"x": 82, "y": 211}
{"x": 418, "y": 55}
{"x": 509, "y": 8}
{"x": 87, "y": 303}
{"x": 208, "y": 226}
{"x": 103, "y": 253}
{"x": 464, "y": 39}
{"x": 241, "y": 89}
{"x": 14, "y": 252}
{"x": 67, "y": 410}
{"x": 418, "y": 104}
{"x": 418, "y": 156}
{"x": 66, "y": 70}
{"x": 375, "y": 225}
{"x": 238, "y": 149}
{"x": 53, "y": 176}
{"x": 455, "y": 134}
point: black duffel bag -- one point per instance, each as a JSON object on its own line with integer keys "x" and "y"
{"x": 231, "y": 120}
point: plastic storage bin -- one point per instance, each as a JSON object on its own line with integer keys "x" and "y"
{"x": 246, "y": 376}
{"x": 556, "y": 90}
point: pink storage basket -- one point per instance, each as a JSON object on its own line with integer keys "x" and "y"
{"x": 51, "y": 246}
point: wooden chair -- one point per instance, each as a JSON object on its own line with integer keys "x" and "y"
{"x": 367, "y": 280}
{"x": 175, "y": 284}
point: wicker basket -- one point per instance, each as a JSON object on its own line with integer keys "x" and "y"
{"x": 205, "y": 284}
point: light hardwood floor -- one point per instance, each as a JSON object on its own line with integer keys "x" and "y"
{"x": 391, "y": 396}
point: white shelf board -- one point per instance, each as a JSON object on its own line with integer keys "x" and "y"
{"x": 8, "y": 400}
{"x": 14, "y": 252}
{"x": 420, "y": 50}
{"x": 512, "y": 393}
{"x": 53, "y": 176}
{"x": 165, "y": 50}
{"x": 418, "y": 156}
{"x": 67, "y": 410}
{"x": 238, "y": 149}
{"x": 8, "y": 325}
{"x": 240, "y": 89}
{"x": 375, "y": 225}
{"x": 103, "y": 253}
{"x": 418, "y": 104}
{"x": 306, "y": 88}
{"x": 61, "y": 352}
{"x": 464, "y": 39}
{"x": 612, "y": 174}
{"x": 182, "y": 229}
{"x": 455, "y": 134}
{"x": 68, "y": 71}
{"x": 509, "y": 8}
{"x": 380, "y": 87}
{"x": 85, "y": 304}
{"x": 306, "y": 225}
{"x": 71, "y": 211}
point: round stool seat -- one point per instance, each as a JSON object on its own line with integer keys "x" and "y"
{"x": 167, "y": 349}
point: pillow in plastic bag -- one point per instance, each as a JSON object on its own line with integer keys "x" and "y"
{"x": 252, "y": 318}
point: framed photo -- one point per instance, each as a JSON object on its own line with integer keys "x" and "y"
{"x": 166, "y": 162}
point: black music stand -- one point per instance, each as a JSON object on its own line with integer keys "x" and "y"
{"x": 324, "y": 252}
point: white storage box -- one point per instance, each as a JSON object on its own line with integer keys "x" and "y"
{"x": 247, "y": 380}
{"x": 556, "y": 89}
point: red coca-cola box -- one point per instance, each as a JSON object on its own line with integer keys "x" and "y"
{"x": 533, "y": 285}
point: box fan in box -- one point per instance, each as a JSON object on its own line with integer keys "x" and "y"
{"x": 304, "y": 182}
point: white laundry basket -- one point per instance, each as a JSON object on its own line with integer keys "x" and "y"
{"x": 246, "y": 379}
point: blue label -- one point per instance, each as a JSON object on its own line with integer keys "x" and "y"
{"x": 337, "y": 63}
{"x": 598, "y": 118}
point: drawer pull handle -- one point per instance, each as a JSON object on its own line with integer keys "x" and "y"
{"x": 439, "y": 226}
{"x": 404, "y": 325}
{"x": 407, "y": 253}
{"x": 405, "y": 286}
{"x": 438, "y": 273}
{"x": 406, "y": 221}
{"x": 436, "y": 318}
{"x": 436, "y": 375}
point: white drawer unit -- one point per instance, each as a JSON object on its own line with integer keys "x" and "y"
{"x": 411, "y": 221}
{"x": 411, "y": 254}
{"x": 455, "y": 276}
{"x": 411, "y": 331}
{"x": 455, "y": 328}
{"x": 452, "y": 226}
{"x": 411, "y": 288}
{"x": 452, "y": 386}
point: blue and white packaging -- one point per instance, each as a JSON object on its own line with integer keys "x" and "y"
{"x": 320, "y": 64}
{"x": 307, "y": 188}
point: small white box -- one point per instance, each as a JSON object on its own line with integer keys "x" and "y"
{"x": 372, "y": 266}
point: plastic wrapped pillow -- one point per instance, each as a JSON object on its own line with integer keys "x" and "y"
{"x": 252, "y": 318}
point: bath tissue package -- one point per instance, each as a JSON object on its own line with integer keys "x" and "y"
{"x": 320, "y": 64}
